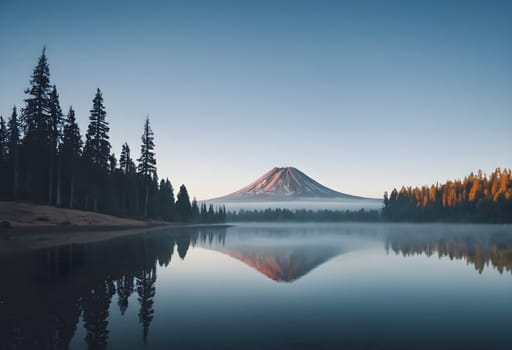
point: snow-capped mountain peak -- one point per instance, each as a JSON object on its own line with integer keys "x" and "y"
{"x": 284, "y": 183}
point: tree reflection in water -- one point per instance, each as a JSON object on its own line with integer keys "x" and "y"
{"x": 44, "y": 294}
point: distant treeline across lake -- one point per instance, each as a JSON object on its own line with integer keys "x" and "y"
{"x": 476, "y": 198}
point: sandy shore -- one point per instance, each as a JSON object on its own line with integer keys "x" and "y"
{"x": 38, "y": 226}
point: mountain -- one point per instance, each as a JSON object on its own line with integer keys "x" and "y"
{"x": 286, "y": 183}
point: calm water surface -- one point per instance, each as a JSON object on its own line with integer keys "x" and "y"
{"x": 266, "y": 286}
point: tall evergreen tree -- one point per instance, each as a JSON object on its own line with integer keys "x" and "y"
{"x": 97, "y": 145}
{"x": 147, "y": 161}
{"x": 165, "y": 200}
{"x": 36, "y": 114}
{"x": 71, "y": 150}
{"x": 194, "y": 211}
{"x": 126, "y": 164}
{"x": 112, "y": 163}
{"x": 4, "y": 141}
{"x": 55, "y": 135}
{"x": 183, "y": 207}
{"x": 4, "y": 157}
{"x": 36, "y": 122}
{"x": 13, "y": 130}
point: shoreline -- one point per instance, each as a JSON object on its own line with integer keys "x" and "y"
{"x": 21, "y": 239}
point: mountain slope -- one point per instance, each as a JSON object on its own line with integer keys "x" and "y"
{"x": 286, "y": 183}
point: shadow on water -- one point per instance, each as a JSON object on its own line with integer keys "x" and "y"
{"x": 44, "y": 294}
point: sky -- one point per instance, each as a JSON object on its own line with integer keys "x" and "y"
{"x": 363, "y": 96}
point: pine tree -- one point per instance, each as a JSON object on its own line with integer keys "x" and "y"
{"x": 97, "y": 145}
{"x": 147, "y": 162}
{"x": 13, "y": 130}
{"x": 126, "y": 164}
{"x": 204, "y": 213}
{"x": 36, "y": 114}
{"x": 4, "y": 141}
{"x": 183, "y": 207}
{"x": 112, "y": 162}
{"x": 4, "y": 157}
{"x": 36, "y": 122}
{"x": 194, "y": 211}
{"x": 55, "y": 136}
{"x": 165, "y": 200}
{"x": 71, "y": 150}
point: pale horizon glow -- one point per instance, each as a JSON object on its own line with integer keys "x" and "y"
{"x": 362, "y": 96}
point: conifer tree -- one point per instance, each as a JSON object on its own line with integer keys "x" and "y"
{"x": 4, "y": 141}
{"x": 194, "y": 211}
{"x": 55, "y": 136}
{"x": 112, "y": 161}
{"x": 71, "y": 150}
{"x": 13, "y": 130}
{"x": 126, "y": 164}
{"x": 97, "y": 145}
{"x": 183, "y": 207}
{"x": 36, "y": 122}
{"x": 36, "y": 113}
{"x": 4, "y": 157}
{"x": 147, "y": 162}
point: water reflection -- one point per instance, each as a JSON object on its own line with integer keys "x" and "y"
{"x": 474, "y": 245}
{"x": 48, "y": 290}
{"x": 45, "y": 294}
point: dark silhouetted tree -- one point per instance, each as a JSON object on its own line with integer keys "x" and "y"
{"x": 194, "y": 211}
{"x": 166, "y": 200}
{"x": 97, "y": 145}
{"x": 36, "y": 123}
{"x": 126, "y": 164}
{"x": 55, "y": 134}
{"x": 4, "y": 142}
{"x": 4, "y": 159}
{"x": 71, "y": 151}
{"x": 183, "y": 207}
{"x": 13, "y": 130}
{"x": 147, "y": 162}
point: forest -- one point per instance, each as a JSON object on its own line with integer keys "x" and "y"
{"x": 476, "y": 198}
{"x": 303, "y": 215}
{"x": 44, "y": 160}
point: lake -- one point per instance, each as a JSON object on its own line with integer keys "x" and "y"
{"x": 266, "y": 286}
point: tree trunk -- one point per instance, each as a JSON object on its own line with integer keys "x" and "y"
{"x": 146, "y": 201}
{"x": 71, "y": 192}
{"x": 16, "y": 174}
{"x": 137, "y": 199}
{"x": 59, "y": 178}
{"x": 50, "y": 181}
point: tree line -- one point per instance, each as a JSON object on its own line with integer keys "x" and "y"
{"x": 44, "y": 159}
{"x": 304, "y": 215}
{"x": 476, "y": 198}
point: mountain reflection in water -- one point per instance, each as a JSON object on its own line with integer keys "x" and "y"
{"x": 45, "y": 294}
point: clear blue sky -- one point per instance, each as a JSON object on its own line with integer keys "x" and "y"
{"x": 363, "y": 96}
